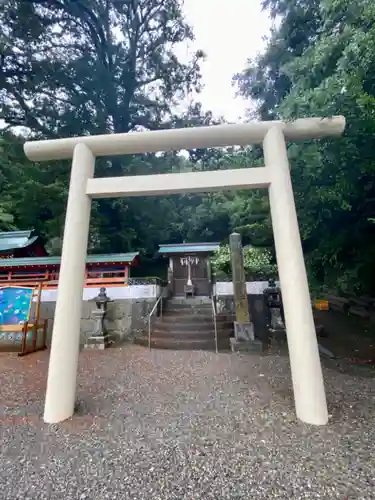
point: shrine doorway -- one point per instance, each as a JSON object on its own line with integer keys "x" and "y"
{"x": 198, "y": 275}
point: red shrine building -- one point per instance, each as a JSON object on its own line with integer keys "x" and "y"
{"x": 18, "y": 244}
{"x": 24, "y": 261}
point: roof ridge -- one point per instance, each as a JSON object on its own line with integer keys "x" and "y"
{"x": 16, "y": 234}
{"x": 189, "y": 244}
{"x": 55, "y": 259}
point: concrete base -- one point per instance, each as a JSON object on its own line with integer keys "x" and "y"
{"x": 244, "y": 332}
{"x": 246, "y": 346}
{"x": 97, "y": 342}
{"x": 99, "y": 347}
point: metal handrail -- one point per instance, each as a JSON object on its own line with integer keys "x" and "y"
{"x": 214, "y": 314}
{"x": 155, "y": 308}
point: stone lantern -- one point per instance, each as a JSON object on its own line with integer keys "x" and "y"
{"x": 274, "y": 306}
{"x": 98, "y": 339}
{"x": 102, "y": 300}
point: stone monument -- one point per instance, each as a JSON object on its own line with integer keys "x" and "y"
{"x": 244, "y": 339}
{"x": 99, "y": 337}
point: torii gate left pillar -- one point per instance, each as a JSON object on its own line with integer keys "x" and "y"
{"x": 63, "y": 365}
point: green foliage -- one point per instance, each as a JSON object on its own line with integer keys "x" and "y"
{"x": 258, "y": 263}
{"x": 97, "y": 66}
{"x": 87, "y": 67}
{"x": 93, "y": 66}
{"x": 320, "y": 61}
{"x": 29, "y": 192}
{"x": 6, "y": 220}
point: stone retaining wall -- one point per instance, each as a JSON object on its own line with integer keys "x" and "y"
{"x": 257, "y": 309}
{"x": 125, "y": 319}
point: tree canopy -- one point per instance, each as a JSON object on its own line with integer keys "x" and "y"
{"x": 76, "y": 67}
{"x": 73, "y": 67}
{"x": 320, "y": 61}
{"x": 93, "y": 66}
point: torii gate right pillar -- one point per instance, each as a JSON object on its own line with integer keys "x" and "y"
{"x": 309, "y": 394}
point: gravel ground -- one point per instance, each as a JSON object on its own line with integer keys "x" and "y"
{"x": 183, "y": 425}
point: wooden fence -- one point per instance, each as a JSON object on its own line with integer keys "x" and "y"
{"x": 93, "y": 279}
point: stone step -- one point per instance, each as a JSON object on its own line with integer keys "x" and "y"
{"x": 359, "y": 302}
{"x": 336, "y": 303}
{"x": 194, "y": 320}
{"x": 185, "y": 318}
{"x": 190, "y": 302}
{"x": 188, "y": 312}
{"x": 189, "y": 325}
{"x": 185, "y": 335}
{"x": 336, "y": 298}
{"x": 359, "y": 311}
{"x": 11, "y": 347}
{"x": 252, "y": 346}
{"x": 182, "y": 307}
{"x": 190, "y": 345}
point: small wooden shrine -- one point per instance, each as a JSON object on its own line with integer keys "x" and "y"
{"x": 189, "y": 267}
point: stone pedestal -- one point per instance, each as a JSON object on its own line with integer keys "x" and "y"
{"x": 241, "y": 346}
{"x": 98, "y": 339}
{"x": 244, "y": 339}
{"x": 243, "y": 332}
{"x": 189, "y": 290}
{"x": 276, "y": 320}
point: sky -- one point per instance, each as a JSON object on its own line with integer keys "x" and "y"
{"x": 229, "y": 32}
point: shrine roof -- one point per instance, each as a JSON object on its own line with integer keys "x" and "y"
{"x": 126, "y": 258}
{"x": 11, "y": 240}
{"x": 185, "y": 248}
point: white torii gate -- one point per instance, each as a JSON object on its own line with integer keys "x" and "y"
{"x": 309, "y": 393}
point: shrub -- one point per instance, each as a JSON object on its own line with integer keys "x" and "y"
{"x": 258, "y": 263}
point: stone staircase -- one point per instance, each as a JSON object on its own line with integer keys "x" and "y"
{"x": 188, "y": 324}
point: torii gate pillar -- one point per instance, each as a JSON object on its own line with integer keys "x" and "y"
{"x": 309, "y": 395}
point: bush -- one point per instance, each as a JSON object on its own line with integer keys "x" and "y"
{"x": 257, "y": 263}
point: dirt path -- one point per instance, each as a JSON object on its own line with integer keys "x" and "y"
{"x": 349, "y": 337}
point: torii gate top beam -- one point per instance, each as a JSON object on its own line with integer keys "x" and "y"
{"x": 184, "y": 138}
